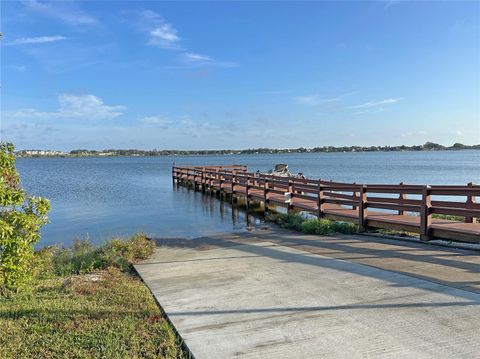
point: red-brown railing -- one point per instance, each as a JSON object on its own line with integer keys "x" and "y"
{"x": 409, "y": 207}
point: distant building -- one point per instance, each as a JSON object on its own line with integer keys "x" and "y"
{"x": 38, "y": 153}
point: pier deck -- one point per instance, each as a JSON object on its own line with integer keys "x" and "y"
{"x": 370, "y": 206}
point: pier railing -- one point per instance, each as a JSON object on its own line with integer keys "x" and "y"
{"x": 437, "y": 211}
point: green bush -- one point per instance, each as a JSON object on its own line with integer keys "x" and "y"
{"x": 21, "y": 218}
{"x": 305, "y": 225}
{"x": 83, "y": 257}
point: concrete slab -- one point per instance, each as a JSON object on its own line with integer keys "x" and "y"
{"x": 258, "y": 299}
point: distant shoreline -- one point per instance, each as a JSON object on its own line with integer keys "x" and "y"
{"x": 429, "y": 146}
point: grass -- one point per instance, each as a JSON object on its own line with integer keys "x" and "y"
{"x": 310, "y": 225}
{"x": 449, "y": 217}
{"x": 86, "y": 302}
{"x": 394, "y": 232}
{"x": 306, "y": 225}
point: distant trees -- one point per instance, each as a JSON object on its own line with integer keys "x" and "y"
{"x": 433, "y": 146}
{"x": 21, "y": 217}
{"x": 428, "y": 146}
{"x": 458, "y": 146}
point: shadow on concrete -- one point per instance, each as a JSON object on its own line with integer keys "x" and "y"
{"x": 328, "y": 308}
{"x": 332, "y": 249}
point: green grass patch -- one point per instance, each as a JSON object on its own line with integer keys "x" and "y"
{"x": 448, "y": 217}
{"x": 86, "y": 302}
{"x": 83, "y": 257}
{"x": 394, "y": 232}
{"x": 306, "y": 225}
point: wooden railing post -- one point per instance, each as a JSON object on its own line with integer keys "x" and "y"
{"x": 194, "y": 179}
{"x": 233, "y": 184}
{"x": 401, "y": 197}
{"x": 247, "y": 188}
{"x": 217, "y": 175}
{"x": 362, "y": 208}
{"x": 320, "y": 213}
{"x": 290, "y": 190}
{"x": 202, "y": 180}
{"x": 425, "y": 214}
{"x": 265, "y": 194}
{"x": 470, "y": 201}
{"x": 355, "y": 197}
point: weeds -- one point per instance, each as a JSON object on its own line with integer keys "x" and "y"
{"x": 306, "y": 225}
{"x": 85, "y": 302}
{"x": 83, "y": 257}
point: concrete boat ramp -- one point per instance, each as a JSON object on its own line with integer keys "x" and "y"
{"x": 274, "y": 294}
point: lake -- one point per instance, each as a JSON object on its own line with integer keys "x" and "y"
{"x": 98, "y": 198}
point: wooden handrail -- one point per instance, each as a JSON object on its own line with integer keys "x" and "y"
{"x": 315, "y": 194}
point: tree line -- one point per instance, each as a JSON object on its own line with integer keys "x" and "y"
{"x": 428, "y": 146}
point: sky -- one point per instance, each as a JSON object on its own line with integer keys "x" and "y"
{"x": 235, "y": 75}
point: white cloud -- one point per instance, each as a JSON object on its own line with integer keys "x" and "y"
{"x": 65, "y": 11}
{"x": 156, "y": 121}
{"x": 86, "y": 106}
{"x": 371, "y": 104}
{"x": 314, "y": 100}
{"x": 72, "y": 106}
{"x": 36, "y": 40}
{"x": 164, "y": 36}
{"x": 190, "y": 56}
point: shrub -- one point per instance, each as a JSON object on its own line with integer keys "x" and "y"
{"x": 21, "y": 218}
{"x": 83, "y": 257}
{"x": 307, "y": 225}
{"x": 42, "y": 264}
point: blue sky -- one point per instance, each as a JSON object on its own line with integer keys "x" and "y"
{"x": 211, "y": 75}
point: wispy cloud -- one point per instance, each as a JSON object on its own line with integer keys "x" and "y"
{"x": 371, "y": 104}
{"x": 65, "y": 11}
{"x": 314, "y": 100}
{"x": 190, "y": 56}
{"x": 156, "y": 121}
{"x": 71, "y": 107}
{"x": 161, "y": 33}
{"x": 389, "y": 3}
{"x": 164, "y": 36}
{"x": 36, "y": 40}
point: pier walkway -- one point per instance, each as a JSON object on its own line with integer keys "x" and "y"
{"x": 411, "y": 208}
{"x": 279, "y": 294}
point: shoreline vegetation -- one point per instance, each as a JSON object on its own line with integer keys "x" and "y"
{"x": 87, "y": 301}
{"x": 82, "y": 301}
{"x": 428, "y": 146}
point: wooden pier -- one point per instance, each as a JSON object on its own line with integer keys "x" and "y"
{"x": 368, "y": 205}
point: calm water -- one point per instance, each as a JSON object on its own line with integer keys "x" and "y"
{"x": 102, "y": 197}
